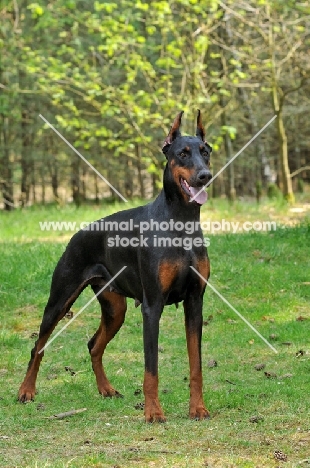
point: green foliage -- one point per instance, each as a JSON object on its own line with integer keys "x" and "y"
{"x": 111, "y": 75}
{"x": 300, "y": 186}
{"x": 273, "y": 191}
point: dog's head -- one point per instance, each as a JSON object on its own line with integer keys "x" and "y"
{"x": 189, "y": 160}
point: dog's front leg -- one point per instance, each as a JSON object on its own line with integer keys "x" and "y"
{"x": 193, "y": 324}
{"x": 151, "y": 318}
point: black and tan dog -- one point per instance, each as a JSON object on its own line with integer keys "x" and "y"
{"x": 157, "y": 273}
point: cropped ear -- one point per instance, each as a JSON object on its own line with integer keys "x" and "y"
{"x": 174, "y": 132}
{"x": 200, "y": 132}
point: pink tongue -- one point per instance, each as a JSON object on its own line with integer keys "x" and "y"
{"x": 201, "y": 198}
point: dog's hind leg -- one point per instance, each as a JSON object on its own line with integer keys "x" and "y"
{"x": 65, "y": 288}
{"x": 113, "y": 309}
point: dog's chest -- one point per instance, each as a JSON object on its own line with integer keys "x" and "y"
{"x": 176, "y": 275}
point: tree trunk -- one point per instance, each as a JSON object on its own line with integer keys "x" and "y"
{"x": 254, "y": 127}
{"x": 6, "y": 174}
{"x": 231, "y": 191}
{"x": 25, "y": 160}
{"x": 285, "y": 180}
{"x": 285, "y": 170}
{"x": 96, "y": 188}
{"x": 43, "y": 184}
{"x": 52, "y": 166}
{"x": 33, "y": 182}
{"x": 129, "y": 177}
{"x": 139, "y": 168}
{"x": 155, "y": 180}
{"x": 284, "y": 177}
{"x": 84, "y": 175}
{"x": 75, "y": 182}
{"x": 231, "y": 173}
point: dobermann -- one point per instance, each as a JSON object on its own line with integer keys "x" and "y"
{"x": 157, "y": 272}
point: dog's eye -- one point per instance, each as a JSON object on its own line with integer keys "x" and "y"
{"x": 205, "y": 154}
{"x": 183, "y": 155}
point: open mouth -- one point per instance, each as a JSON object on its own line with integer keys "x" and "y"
{"x": 198, "y": 193}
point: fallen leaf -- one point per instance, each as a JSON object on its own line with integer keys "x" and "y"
{"x": 212, "y": 363}
{"x": 139, "y": 406}
{"x": 279, "y": 455}
{"x": 51, "y": 377}
{"x": 256, "y": 253}
{"x": 266, "y": 318}
{"x": 209, "y": 319}
{"x": 270, "y": 375}
{"x": 40, "y": 407}
{"x": 273, "y": 337}
{"x": 301, "y": 318}
{"x": 259, "y": 367}
{"x": 256, "y": 419}
{"x": 69, "y": 369}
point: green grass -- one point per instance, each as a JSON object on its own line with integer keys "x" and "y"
{"x": 22, "y": 225}
{"x": 265, "y": 276}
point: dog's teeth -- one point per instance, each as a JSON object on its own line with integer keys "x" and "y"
{"x": 186, "y": 184}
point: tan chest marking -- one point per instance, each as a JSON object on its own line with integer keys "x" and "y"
{"x": 167, "y": 272}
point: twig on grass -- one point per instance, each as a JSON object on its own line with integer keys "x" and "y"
{"x": 66, "y": 414}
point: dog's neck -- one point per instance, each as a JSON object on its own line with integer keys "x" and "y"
{"x": 172, "y": 201}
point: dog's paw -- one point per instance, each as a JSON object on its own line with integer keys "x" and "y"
{"x": 153, "y": 412}
{"x": 110, "y": 392}
{"x": 155, "y": 418}
{"x": 26, "y": 395}
{"x": 199, "y": 414}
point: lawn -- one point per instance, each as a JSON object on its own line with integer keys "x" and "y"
{"x": 265, "y": 276}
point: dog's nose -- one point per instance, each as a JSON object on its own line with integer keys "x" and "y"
{"x": 204, "y": 176}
